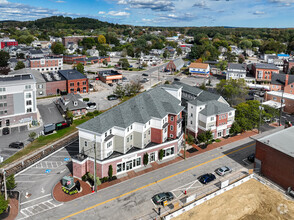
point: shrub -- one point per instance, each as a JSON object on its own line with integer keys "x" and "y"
{"x": 190, "y": 139}
{"x": 96, "y": 112}
{"x": 85, "y": 177}
{"x": 86, "y": 99}
{"x": 10, "y": 182}
{"x": 146, "y": 159}
{"x": 89, "y": 114}
{"x": 160, "y": 154}
{"x": 110, "y": 171}
{"x": 217, "y": 140}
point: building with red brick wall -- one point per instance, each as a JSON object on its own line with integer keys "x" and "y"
{"x": 109, "y": 76}
{"x": 55, "y": 84}
{"x": 91, "y": 60}
{"x": 275, "y": 98}
{"x": 72, "y": 39}
{"x": 288, "y": 65}
{"x": 282, "y": 82}
{"x": 274, "y": 157}
{"x": 125, "y": 133}
{"x": 76, "y": 82}
{"x": 174, "y": 65}
{"x": 262, "y": 72}
{"x": 46, "y": 64}
{"x": 6, "y": 42}
{"x": 70, "y": 59}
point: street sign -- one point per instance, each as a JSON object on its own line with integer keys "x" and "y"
{"x": 165, "y": 203}
{"x": 48, "y": 171}
{"x": 66, "y": 159}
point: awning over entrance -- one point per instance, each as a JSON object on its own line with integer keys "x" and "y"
{"x": 273, "y": 104}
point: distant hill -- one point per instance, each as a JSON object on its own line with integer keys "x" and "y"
{"x": 61, "y": 22}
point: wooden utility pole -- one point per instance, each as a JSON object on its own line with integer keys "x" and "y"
{"x": 95, "y": 172}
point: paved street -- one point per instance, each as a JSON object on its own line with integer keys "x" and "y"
{"x": 39, "y": 180}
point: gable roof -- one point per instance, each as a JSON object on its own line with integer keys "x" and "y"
{"x": 215, "y": 108}
{"x": 71, "y": 98}
{"x": 153, "y": 103}
{"x": 279, "y": 79}
{"x": 266, "y": 66}
{"x": 72, "y": 74}
{"x": 199, "y": 65}
{"x": 237, "y": 66}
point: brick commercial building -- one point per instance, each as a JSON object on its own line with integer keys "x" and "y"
{"x": 275, "y": 98}
{"x": 146, "y": 124}
{"x": 55, "y": 84}
{"x": 288, "y": 65}
{"x": 76, "y": 82}
{"x": 282, "y": 82}
{"x": 174, "y": 65}
{"x": 206, "y": 111}
{"x": 263, "y": 72}
{"x": 46, "y": 64}
{"x": 6, "y": 42}
{"x": 109, "y": 76}
{"x": 18, "y": 104}
{"x": 72, "y": 39}
{"x": 274, "y": 157}
{"x": 70, "y": 59}
{"x": 91, "y": 60}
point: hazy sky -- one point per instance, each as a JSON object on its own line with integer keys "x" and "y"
{"x": 241, "y": 13}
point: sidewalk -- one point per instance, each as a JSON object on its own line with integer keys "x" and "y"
{"x": 156, "y": 165}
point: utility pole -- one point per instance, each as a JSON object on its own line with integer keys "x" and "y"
{"x": 259, "y": 124}
{"x": 280, "y": 123}
{"x": 95, "y": 172}
{"x": 185, "y": 135}
{"x": 4, "y": 179}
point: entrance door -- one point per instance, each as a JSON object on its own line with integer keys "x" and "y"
{"x": 129, "y": 165}
{"x": 257, "y": 165}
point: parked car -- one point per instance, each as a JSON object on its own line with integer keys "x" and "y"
{"x": 112, "y": 97}
{"x": 5, "y": 131}
{"x": 206, "y": 178}
{"x": 177, "y": 79}
{"x": 97, "y": 78}
{"x": 161, "y": 197}
{"x": 110, "y": 84}
{"x": 144, "y": 80}
{"x": 223, "y": 170}
{"x": 267, "y": 120}
{"x": 251, "y": 158}
{"x": 16, "y": 144}
{"x": 91, "y": 105}
{"x": 145, "y": 74}
{"x": 125, "y": 79}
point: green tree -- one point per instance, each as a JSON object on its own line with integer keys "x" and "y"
{"x": 160, "y": 154}
{"x": 3, "y": 204}
{"x": 123, "y": 63}
{"x": 241, "y": 58}
{"x": 19, "y": 65}
{"x": 80, "y": 68}
{"x": 105, "y": 62}
{"x": 32, "y": 135}
{"x": 190, "y": 139}
{"x": 146, "y": 159}
{"x": 222, "y": 65}
{"x": 119, "y": 91}
{"x": 10, "y": 182}
{"x": 203, "y": 86}
{"x": 235, "y": 128}
{"x": 4, "y": 57}
{"x": 69, "y": 115}
{"x": 57, "y": 48}
{"x": 245, "y": 44}
{"x": 165, "y": 54}
{"x": 205, "y": 137}
{"x": 110, "y": 171}
{"x": 179, "y": 51}
{"x": 234, "y": 91}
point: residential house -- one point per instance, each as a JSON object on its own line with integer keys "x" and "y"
{"x": 271, "y": 58}
{"x": 145, "y": 124}
{"x": 109, "y": 76}
{"x": 235, "y": 50}
{"x": 33, "y": 54}
{"x": 274, "y": 157}
{"x": 41, "y": 44}
{"x": 93, "y": 53}
{"x": 76, "y": 82}
{"x": 236, "y": 71}
{"x": 149, "y": 60}
{"x": 174, "y": 65}
{"x": 71, "y": 102}
{"x": 46, "y": 64}
{"x": 214, "y": 69}
{"x": 206, "y": 111}
{"x": 18, "y": 106}
{"x": 12, "y": 63}
{"x": 262, "y": 72}
{"x": 199, "y": 69}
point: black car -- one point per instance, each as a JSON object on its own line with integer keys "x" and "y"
{"x": 5, "y": 131}
{"x": 161, "y": 197}
{"x": 112, "y": 97}
{"x": 110, "y": 84}
{"x": 177, "y": 79}
{"x": 16, "y": 144}
{"x": 251, "y": 158}
{"x": 206, "y": 178}
{"x": 145, "y": 74}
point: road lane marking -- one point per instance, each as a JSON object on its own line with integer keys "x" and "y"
{"x": 35, "y": 199}
{"x": 153, "y": 183}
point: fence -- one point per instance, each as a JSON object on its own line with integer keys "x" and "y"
{"x": 207, "y": 197}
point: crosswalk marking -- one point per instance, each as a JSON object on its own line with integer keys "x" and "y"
{"x": 49, "y": 164}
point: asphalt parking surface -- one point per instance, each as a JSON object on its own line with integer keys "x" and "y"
{"x": 50, "y": 114}
{"x": 39, "y": 180}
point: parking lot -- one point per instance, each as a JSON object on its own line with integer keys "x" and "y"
{"x": 35, "y": 184}
{"x": 50, "y": 114}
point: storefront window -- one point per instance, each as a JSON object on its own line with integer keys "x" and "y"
{"x": 118, "y": 169}
{"x": 139, "y": 161}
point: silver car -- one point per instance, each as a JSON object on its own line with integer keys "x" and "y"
{"x": 223, "y": 170}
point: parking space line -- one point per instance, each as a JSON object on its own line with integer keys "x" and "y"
{"x": 245, "y": 161}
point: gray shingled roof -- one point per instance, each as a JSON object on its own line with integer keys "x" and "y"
{"x": 153, "y": 103}
{"x": 189, "y": 89}
{"x": 72, "y": 74}
{"x": 71, "y": 98}
{"x": 266, "y": 66}
{"x": 237, "y": 66}
{"x": 214, "y": 108}
{"x": 279, "y": 79}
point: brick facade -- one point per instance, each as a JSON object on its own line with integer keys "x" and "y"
{"x": 283, "y": 174}
{"x": 266, "y": 73}
{"x": 71, "y": 58}
{"x": 55, "y": 87}
{"x": 156, "y": 135}
{"x": 77, "y": 86}
{"x": 289, "y": 103}
{"x": 172, "y": 126}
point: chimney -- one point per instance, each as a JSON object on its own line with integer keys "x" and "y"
{"x": 286, "y": 79}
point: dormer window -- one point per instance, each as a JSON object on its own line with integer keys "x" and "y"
{"x": 75, "y": 103}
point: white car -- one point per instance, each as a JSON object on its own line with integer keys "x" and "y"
{"x": 223, "y": 170}
{"x": 91, "y": 105}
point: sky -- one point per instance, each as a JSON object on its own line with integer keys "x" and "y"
{"x": 180, "y": 13}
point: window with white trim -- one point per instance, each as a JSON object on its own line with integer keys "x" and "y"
{"x": 109, "y": 144}
{"x": 171, "y": 127}
{"x": 171, "y": 118}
